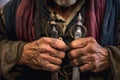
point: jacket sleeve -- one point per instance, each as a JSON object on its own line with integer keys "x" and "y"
{"x": 10, "y": 52}
{"x": 114, "y": 51}
{"x": 114, "y": 61}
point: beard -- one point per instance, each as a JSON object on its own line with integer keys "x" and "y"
{"x": 65, "y": 3}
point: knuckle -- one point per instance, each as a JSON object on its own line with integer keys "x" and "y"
{"x": 56, "y": 68}
{"x": 45, "y": 39}
{"x": 62, "y": 55}
{"x": 58, "y": 54}
{"x": 72, "y": 54}
{"x": 43, "y": 49}
{"x": 92, "y": 39}
{"x": 59, "y": 61}
{"x": 47, "y": 64}
{"x": 72, "y": 45}
{"x": 40, "y": 55}
{"x": 43, "y": 63}
{"x": 56, "y": 61}
{"x": 92, "y": 58}
{"x": 93, "y": 47}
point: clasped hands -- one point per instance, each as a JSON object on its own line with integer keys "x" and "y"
{"x": 47, "y": 54}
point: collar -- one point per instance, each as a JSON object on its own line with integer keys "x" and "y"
{"x": 75, "y": 11}
{"x": 46, "y": 9}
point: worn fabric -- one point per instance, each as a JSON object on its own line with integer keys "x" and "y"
{"x": 108, "y": 31}
{"x": 114, "y": 61}
{"x": 11, "y": 47}
{"x": 94, "y": 17}
{"x": 10, "y": 51}
{"x": 10, "y": 22}
{"x": 25, "y": 21}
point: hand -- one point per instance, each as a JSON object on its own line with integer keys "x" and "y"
{"x": 88, "y": 54}
{"x": 44, "y": 54}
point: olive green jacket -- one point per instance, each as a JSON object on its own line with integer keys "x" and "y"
{"x": 11, "y": 50}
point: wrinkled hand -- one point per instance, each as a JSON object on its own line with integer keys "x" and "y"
{"x": 88, "y": 54}
{"x": 44, "y": 54}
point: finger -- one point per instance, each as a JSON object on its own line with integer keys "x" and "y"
{"x": 45, "y": 65}
{"x": 51, "y": 51}
{"x": 84, "y": 59}
{"x": 77, "y": 62}
{"x": 34, "y": 64}
{"x": 51, "y": 67}
{"x": 47, "y": 50}
{"x": 56, "y": 53}
{"x": 77, "y": 53}
{"x": 87, "y": 67}
{"x": 51, "y": 59}
{"x": 92, "y": 57}
{"x": 35, "y": 67}
{"x": 88, "y": 57}
{"x": 53, "y": 42}
{"x": 57, "y": 44}
{"x": 81, "y": 42}
{"x": 82, "y": 51}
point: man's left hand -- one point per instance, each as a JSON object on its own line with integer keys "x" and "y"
{"x": 88, "y": 55}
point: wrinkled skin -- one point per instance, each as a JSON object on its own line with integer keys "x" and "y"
{"x": 88, "y": 52}
{"x": 44, "y": 54}
{"x": 47, "y": 54}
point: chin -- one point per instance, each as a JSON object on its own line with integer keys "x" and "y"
{"x": 65, "y": 3}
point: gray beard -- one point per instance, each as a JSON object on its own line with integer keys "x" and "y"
{"x": 65, "y": 3}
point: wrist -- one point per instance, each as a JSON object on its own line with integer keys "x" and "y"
{"x": 22, "y": 57}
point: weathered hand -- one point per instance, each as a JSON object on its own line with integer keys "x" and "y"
{"x": 88, "y": 54}
{"x": 45, "y": 53}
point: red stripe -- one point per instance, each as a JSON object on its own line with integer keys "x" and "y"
{"x": 24, "y": 20}
{"x": 94, "y": 17}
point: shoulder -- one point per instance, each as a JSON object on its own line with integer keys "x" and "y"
{"x": 9, "y": 14}
{"x": 11, "y": 6}
{"x": 9, "y": 10}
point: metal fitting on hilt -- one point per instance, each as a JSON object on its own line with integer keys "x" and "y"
{"x": 54, "y": 28}
{"x": 78, "y": 30}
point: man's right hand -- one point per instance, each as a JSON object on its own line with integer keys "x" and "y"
{"x": 44, "y": 54}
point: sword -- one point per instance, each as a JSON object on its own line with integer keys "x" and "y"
{"x": 78, "y": 34}
{"x": 54, "y": 34}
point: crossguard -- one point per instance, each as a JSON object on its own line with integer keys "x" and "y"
{"x": 50, "y": 33}
{"x": 74, "y": 27}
